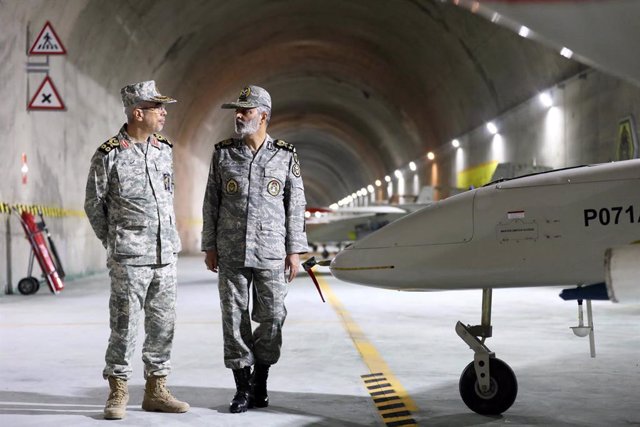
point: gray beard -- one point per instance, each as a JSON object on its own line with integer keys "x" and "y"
{"x": 245, "y": 129}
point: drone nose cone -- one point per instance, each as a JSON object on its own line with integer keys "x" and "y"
{"x": 339, "y": 262}
{"x": 345, "y": 265}
{"x": 361, "y": 266}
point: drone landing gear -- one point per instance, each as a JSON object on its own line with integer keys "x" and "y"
{"x": 488, "y": 386}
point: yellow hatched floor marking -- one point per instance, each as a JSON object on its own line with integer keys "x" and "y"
{"x": 390, "y": 397}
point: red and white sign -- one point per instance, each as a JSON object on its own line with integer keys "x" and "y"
{"x": 46, "y": 97}
{"x": 48, "y": 42}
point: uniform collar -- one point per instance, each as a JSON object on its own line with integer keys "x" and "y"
{"x": 269, "y": 142}
{"x": 125, "y": 139}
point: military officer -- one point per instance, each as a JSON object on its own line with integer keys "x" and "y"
{"x": 129, "y": 203}
{"x": 253, "y": 233}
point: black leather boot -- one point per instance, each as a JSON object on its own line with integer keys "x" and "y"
{"x": 240, "y": 401}
{"x": 260, "y": 398}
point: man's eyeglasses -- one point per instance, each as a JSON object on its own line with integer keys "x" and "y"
{"x": 157, "y": 108}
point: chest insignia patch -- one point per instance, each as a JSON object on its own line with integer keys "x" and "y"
{"x": 232, "y": 186}
{"x": 273, "y": 187}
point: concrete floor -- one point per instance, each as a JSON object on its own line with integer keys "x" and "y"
{"x": 52, "y": 350}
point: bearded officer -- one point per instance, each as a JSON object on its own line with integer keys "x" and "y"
{"x": 129, "y": 203}
{"x": 253, "y": 233}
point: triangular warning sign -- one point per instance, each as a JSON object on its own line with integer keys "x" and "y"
{"x": 46, "y": 97}
{"x": 47, "y": 43}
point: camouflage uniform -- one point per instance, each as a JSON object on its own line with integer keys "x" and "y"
{"x": 129, "y": 203}
{"x": 253, "y": 216}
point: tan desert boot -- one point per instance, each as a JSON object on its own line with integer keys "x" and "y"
{"x": 116, "y": 407}
{"x": 158, "y": 398}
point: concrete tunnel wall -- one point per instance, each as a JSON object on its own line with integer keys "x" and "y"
{"x": 360, "y": 87}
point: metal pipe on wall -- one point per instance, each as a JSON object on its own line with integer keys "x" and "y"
{"x": 9, "y": 287}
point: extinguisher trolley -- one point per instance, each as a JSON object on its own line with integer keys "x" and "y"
{"x": 46, "y": 254}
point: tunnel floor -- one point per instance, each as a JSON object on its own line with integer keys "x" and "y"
{"x": 52, "y": 352}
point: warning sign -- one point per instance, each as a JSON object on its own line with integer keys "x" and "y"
{"x": 47, "y": 43}
{"x": 46, "y": 97}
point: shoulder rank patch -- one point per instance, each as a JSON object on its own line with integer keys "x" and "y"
{"x": 162, "y": 139}
{"x": 295, "y": 169}
{"x": 224, "y": 144}
{"x": 109, "y": 145}
{"x": 284, "y": 145}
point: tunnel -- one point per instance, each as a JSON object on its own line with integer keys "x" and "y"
{"x": 394, "y": 107}
{"x": 360, "y": 88}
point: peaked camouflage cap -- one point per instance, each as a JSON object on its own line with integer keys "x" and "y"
{"x": 143, "y": 91}
{"x": 251, "y": 97}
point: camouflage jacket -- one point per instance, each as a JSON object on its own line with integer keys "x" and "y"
{"x": 129, "y": 200}
{"x": 253, "y": 209}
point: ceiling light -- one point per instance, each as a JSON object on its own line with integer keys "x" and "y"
{"x": 430, "y": 155}
{"x": 455, "y": 143}
{"x": 387, "y": 178}
{"x": 524, "y": 32}
{"x": 492, "y": 128}
{"x": 412, "y": 166}
{"x": 545, "y": 99}
{"x": 567, "y": 53}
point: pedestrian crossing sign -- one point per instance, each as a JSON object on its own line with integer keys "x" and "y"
{"x": 48, "y": 42}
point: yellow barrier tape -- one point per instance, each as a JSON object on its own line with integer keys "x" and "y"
{"x": 57, "y": 212}
{"x": 48, "y": 211}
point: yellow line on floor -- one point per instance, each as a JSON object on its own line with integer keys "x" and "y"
{"x": 368, "y": 352}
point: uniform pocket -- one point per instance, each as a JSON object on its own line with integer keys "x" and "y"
{"x": 132, "y": 178}
{"x": 133, "y": 240}
{"x": 274, "y": 181}
{"x": 271, "y": 242}
{"x": 233, "y": 176}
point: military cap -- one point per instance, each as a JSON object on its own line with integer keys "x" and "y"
{"x": 251, "y": 97}
{"x": 143, "y": 91}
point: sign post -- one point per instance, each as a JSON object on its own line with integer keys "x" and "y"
{"x": 47, "y": 96}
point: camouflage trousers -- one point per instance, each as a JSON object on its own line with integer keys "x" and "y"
{"x": 135, "y": 288}
{"x": 242, "y": 346}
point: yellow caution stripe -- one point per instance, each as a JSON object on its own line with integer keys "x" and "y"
{"x": 375, "y": 267}
{"x": 391, "y": 399}
{"x": 48, "y": 211}
{"x": 390, "y": 405}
